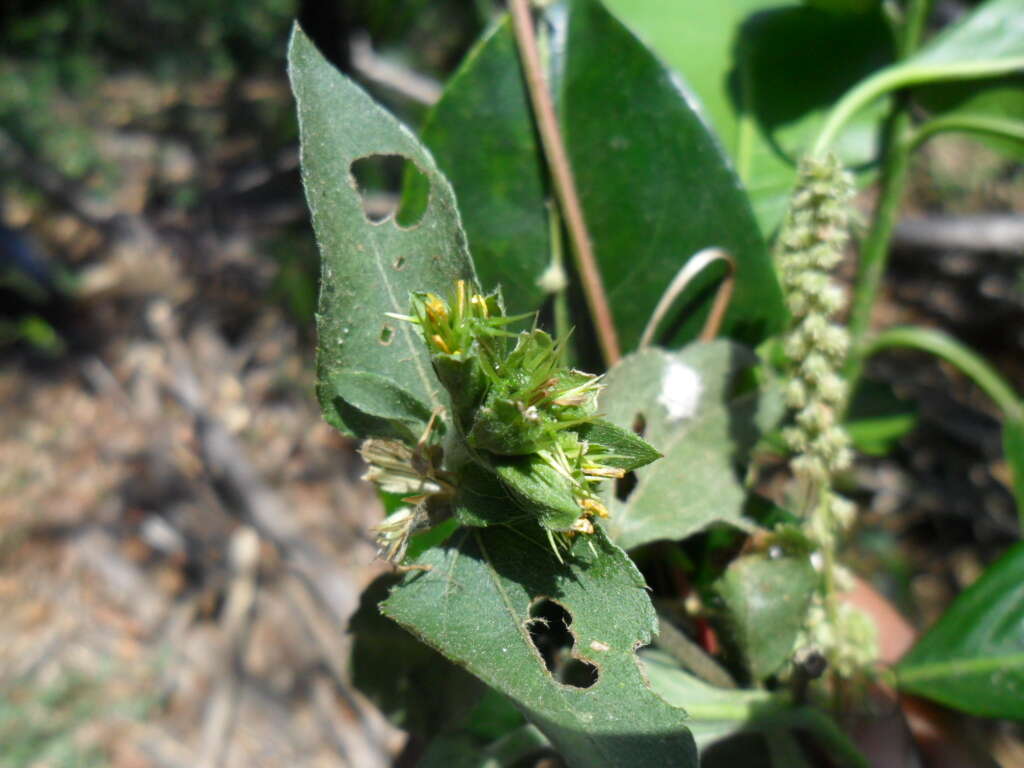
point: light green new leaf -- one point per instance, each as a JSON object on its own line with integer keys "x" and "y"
{"x": 986, "y": 43}
{"x": 764, "y": 601}
{"x": 368, "y": 269}
{"x": 713, "y": 713}
{"x": 689, "y": 412}
{"x": 973, "y": 658}
{"x": 717, "y": 713}
{"x": 474, "y": 606}
{"x": 741, "y": 58}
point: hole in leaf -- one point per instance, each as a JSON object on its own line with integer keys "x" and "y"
{"x": 391, "y": 185}
{"x": 625, "y": 485}
{"x": 549, "y": 631}
{"x": 387, "y": 335}
{"x": 399, "y": 264}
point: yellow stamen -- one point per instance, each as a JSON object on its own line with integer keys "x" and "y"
{"x": 436, "y": 309}
{"x": 594, "y": 507}
{"x": 439, "y": 342}
{"x": 460, "y": 297}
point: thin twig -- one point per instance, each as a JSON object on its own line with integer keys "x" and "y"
{"x": 693, "y": 267}
{"x": 564, "y": 183}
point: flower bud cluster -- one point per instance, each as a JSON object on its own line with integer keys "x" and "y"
{"x": 810, "y": 246}
{"x": 850, "y": 637}
{"x": 525, "y": 429}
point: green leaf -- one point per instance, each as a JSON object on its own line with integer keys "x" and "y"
{"x": 827, "y": 53}
{"x": 986, "y": 43}
{"x": 481, "y": 499}
{"x": 377, "y": 396}
{"x": 988, "y": 36}
{"x": 1013, "y": 448}
{"x": 414, "y": 686}
{"x": 654, "y": 184}
{"x": 765, "y": 600}
{"x": 481, "y": 134}
{"x": 741, "y": 57}
{"x": 714, "y": 713}
{"x": 877, "y": 418}
{"x": 625, "y": 449}
{"x": 972, "y": 659}
{"x": 686, "y": 403}
{"x": 474, "y": 606}
{"x": 367, "y": 269}
{"x": 539, "y": 490}
{"x": 992, "y": 110}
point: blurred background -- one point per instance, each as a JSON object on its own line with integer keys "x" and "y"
{"x": 182, "y": 538}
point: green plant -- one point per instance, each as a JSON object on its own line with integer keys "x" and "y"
{"x": 523, "y": 524}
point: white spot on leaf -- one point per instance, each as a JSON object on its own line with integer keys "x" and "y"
{"x": 680, "y": 391}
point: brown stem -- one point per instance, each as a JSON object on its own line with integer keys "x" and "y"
{"x": 564, "y": 183}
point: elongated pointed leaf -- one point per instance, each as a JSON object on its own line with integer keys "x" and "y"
{"x": 689, "y": 413}
{"x": 368, "y": 269}
{"x": 474, "y": 606}
{"x": 655, "y": 185}
{"x": 973, "y": 658}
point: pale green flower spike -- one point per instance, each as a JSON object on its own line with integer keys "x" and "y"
{"x": 811, "y": 245}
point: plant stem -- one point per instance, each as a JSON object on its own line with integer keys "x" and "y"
{"x": 874, "y": 255}
{"x": 564, "y": 183}
{"x": 988, "y": 126}
{"x": 949, "y": 349}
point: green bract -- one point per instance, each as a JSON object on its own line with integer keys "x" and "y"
{"x": 525, "y": 432}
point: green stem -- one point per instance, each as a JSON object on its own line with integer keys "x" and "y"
{"x": 875, "y": 250}
{"x": 989, "y": 126}
{"x": 897, "y": 77}
{"x": 952, "y": 351}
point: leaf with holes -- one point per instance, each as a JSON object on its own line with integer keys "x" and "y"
{"x": 497, "y": 602}
{"x": 688, "y": 410}
{"x": 973, "y": 658}
{"x": 764, "y": 601}
{"x": 369, "y": 267}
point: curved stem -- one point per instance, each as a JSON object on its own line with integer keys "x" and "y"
{"x": 989, "y": 126}
{"x": 900, "y": 76}
{"x": 564, "y": 183}
{"x": 693, "y": 267}
{"x": 962, "y": 357}
{"x": 874, "y": 255}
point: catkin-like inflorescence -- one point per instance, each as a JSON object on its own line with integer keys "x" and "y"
{"x": 810, "y": 246}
